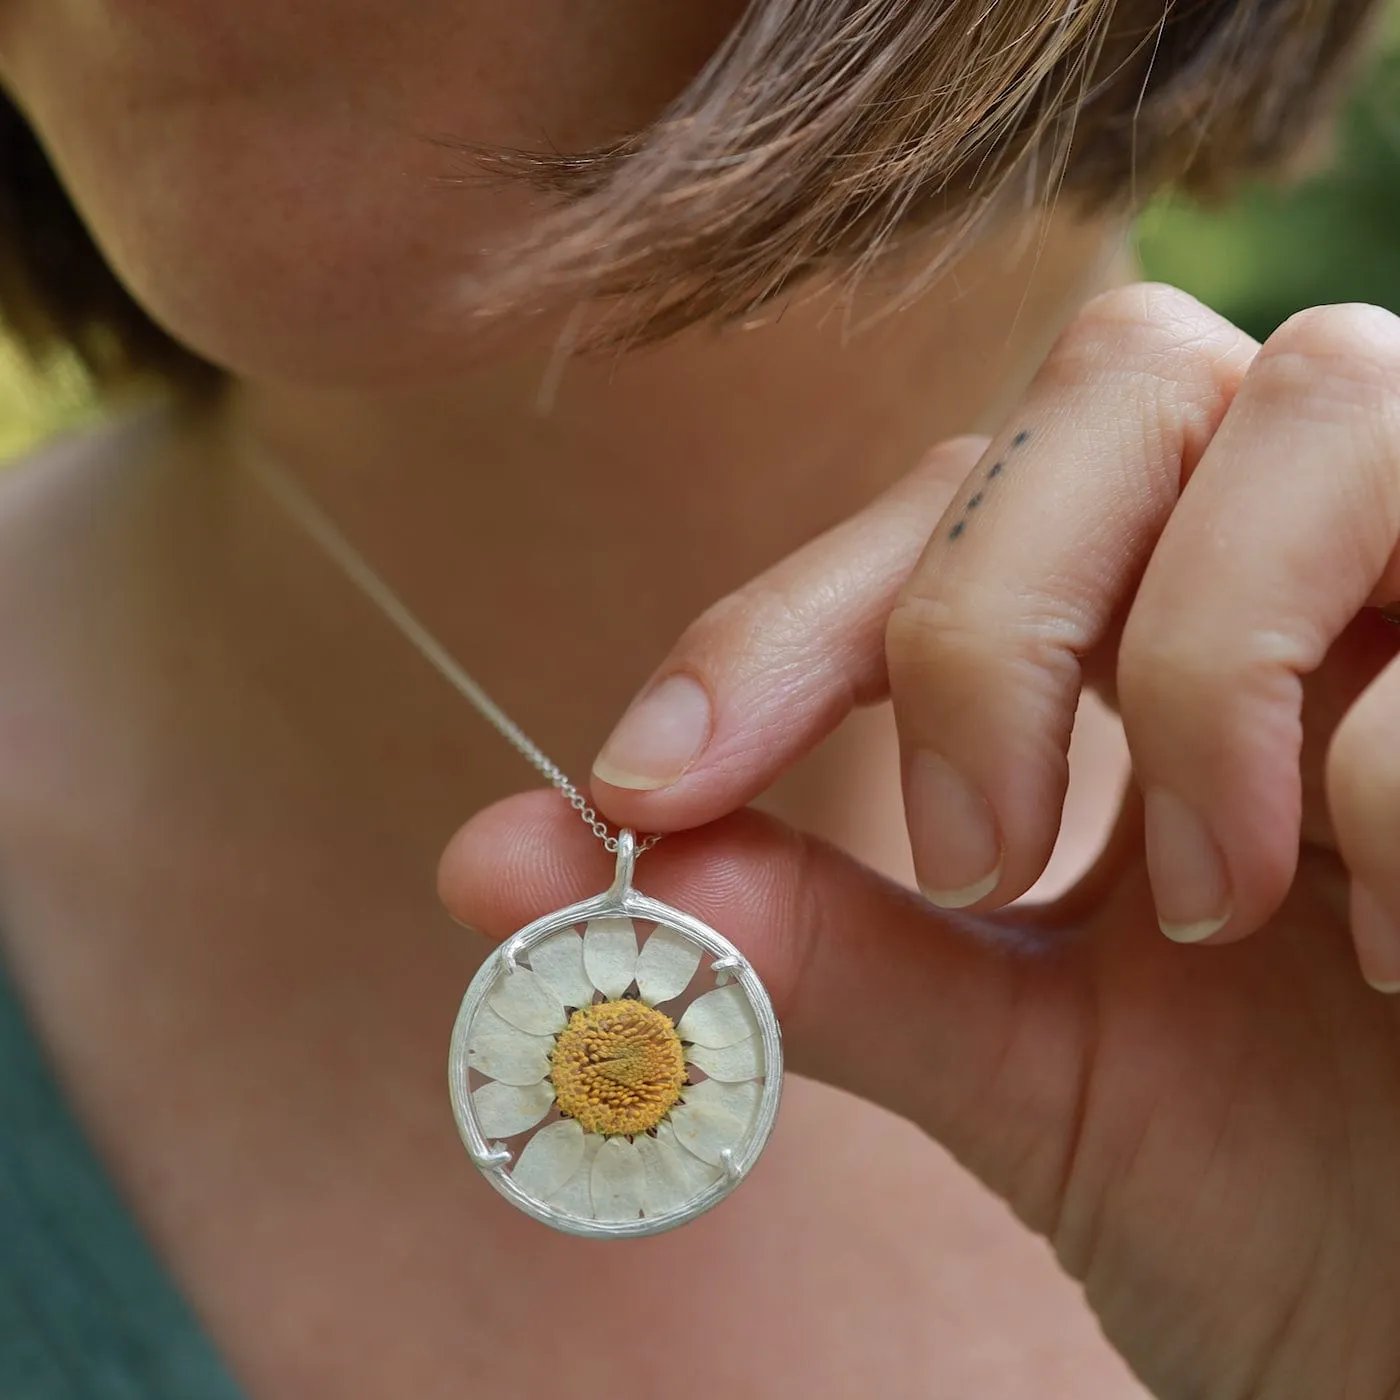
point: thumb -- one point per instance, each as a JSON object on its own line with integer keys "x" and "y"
{"x": 975, "y": 1029}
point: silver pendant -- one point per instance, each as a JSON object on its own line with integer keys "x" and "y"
{"x": 616, "y": 1066}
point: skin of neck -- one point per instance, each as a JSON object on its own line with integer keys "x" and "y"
{"x": 570, "y": 519}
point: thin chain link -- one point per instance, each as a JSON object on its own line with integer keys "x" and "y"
{"x": 319, "y": 526}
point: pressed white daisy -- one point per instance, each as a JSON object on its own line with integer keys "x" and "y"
{"x": 578, "y": 1038}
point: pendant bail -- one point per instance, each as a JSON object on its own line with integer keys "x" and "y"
{"x": 626, "y": 863}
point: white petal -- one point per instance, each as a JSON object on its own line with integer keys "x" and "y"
{"x": 498, "y": 1050}
{"x": 731, "y": 1063}
{"x": 528, "y": 1002}
{"x": 610, "y": 954}
{"x": 575, "y": 1197}
{"x": 718, "y": 1018}
{"x": 502, "y": 1110}
{"x": 673, "y": 1177}
{"x": 715, "y": 1116}
{"x": 559, "y": 960}
{"x": 619, "y": 1179}
{"x": 706, "y": 1130}
{"x": 667, "y": 963}
{"x": 549, "y": 1159}
{"x": 741, "y": 1099}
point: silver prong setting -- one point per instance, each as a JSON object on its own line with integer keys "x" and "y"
{"x": 495, "y": 1159}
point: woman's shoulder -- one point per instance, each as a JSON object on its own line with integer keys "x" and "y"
{"x": 69, "y": 534}
{"x": 55, "y": 483}
{"x": 68, "y": 511}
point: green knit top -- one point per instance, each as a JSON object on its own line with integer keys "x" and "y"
{"x": 86, "y": 1311}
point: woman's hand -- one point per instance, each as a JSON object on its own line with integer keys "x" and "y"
{"x": 1202, "y": 529}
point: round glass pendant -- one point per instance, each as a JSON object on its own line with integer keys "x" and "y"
{"x": 616, "y": 1066}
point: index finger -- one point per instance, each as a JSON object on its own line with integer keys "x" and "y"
{"x": 766, "y": 673}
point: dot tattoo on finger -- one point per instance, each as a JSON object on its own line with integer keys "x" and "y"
{"x": 959, "y": 528}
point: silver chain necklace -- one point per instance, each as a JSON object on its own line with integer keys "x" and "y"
{"x": 616, "y": 1066}
{"x": 314, "y": 521}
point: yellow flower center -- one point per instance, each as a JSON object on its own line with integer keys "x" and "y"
{"x": 617, "y": 1067}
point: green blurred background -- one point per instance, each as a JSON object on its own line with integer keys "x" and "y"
{"x": 1332, "y": 236}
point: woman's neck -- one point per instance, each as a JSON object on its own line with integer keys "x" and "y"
{"x": 595, "y": 510}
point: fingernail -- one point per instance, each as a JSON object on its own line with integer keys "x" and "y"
{"x": 1190, "y": 882}
{"x": 662, "y": 734}
{"x": 1377, "y": 937}
{"x": 957, "y": 850}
